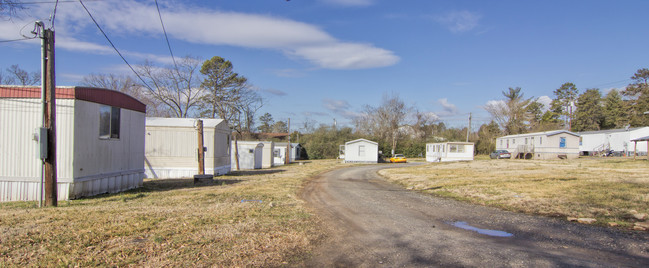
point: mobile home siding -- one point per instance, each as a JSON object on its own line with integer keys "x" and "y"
{"x": 77, "y": 144}
{"x": 172, "y": 144}
{"x": 361, "y": 151}
{"x": 541, "y": 145}
{"x": 449, "y": 151}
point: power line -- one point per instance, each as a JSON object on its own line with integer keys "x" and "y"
{"x": 111, "y": 43}
{"x": 166, "y": 37}
{"x": 16, "y": 40}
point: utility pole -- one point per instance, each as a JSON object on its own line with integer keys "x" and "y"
{"x": 468, "y": 130}
{"x": 50, "y": 118}
{"x": 288, "y": 147}
{"x": 201, "y": 148}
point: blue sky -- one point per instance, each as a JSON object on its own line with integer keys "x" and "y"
{"x": 324, "y": 59}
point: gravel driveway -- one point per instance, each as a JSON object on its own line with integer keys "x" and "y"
{"x": 374, "y": 223}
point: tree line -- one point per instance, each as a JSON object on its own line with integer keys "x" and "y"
{"x": 585, "y": 111}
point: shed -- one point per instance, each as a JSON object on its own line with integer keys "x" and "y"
{"x": 449, "y": 151}
{"x": 171, "y": 147}
{"x": 268, "y": 151}
{"x": 618, "y": 140}
{"x": 99, "y": 135}
{"x": 250, "y": 155}
{"x": 279, "y": 155}
{"x": 361, "y": 151}
{"x": 644, "y": 140}
{"x": 541, "y": 145}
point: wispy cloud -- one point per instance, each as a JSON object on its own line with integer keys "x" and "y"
{"x": 133, "y": 19}
{"x": 349, "y": 2}
{"x": 459, "y": 21}
{"x": 339, "y": 107}
{"x": 448, "y": 109}
{"x": 275, "y": 92}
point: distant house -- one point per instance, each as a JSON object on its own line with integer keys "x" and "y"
{"x": 618, "y": 140}
{"x": 171, "y": 148}
{"x": 99, "y": 136}
{"x": 361, "y": 151}
{"x": 250, "y": 155}
{"x": 541, "y": 145}
{"x": 279, "y": 154}
{"x": 449, "y": 151}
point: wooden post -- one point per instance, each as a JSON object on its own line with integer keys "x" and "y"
{"x": 51, "y": 197}
{"x": 236, "y": 151}
{"x": 287, "y": 155}
{"x": 635, "y": 147}
{"x": 647, "y": 149}
{"x": 201, "y": 151}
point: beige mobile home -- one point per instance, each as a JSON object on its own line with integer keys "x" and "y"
{"x": 558, "y": 144}
{"x": 449, "y": 151}
{"x": 99, "y": 135}
{"x": 172, "y": 147}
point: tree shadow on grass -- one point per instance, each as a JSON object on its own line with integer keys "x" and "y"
{"x": 253, "y": 172}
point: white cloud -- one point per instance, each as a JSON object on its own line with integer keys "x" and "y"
{"x": 448, "y": 109}
{"x": 349, "y": 2}
{"x": 545, "y": 100}
{"x": 132, "y": 19}
{"x": 459, "y": 21}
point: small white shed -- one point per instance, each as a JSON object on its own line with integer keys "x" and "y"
{"x": 99, "y": 136}
{"x": 541, "y": 145}
{"x": 449, "y": 151}
{"x": 250, "y": 155}
{"x": 171, "y": 148}
{"x": 361, "y": 151}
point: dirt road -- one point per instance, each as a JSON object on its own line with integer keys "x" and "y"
{"x": 374, "y": 223}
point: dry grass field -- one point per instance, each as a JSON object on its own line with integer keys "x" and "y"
{"x": 250, "y": 218}
{"x": 610, "y": 190}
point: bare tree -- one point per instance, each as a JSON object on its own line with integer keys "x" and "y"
{"x": 22, "y": 77}
{"x": 8, "y": 8}
{"x": 177, "y": 88}
{"x": 511, "y": 113}
{"x": 129, "y": 86}
{"x": 385, "y": 121}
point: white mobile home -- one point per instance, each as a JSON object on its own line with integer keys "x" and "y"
{"x": 541, "y": 145}
{"x": 361, "y": 151}
{"x": 250, "y": 155}
{"x": 279, "y": 154}
{"x": 449, "y": 151}
{"x": 618, "y": 140}
{"x": 99, "y": 136}
{"x": 171, "y": 147}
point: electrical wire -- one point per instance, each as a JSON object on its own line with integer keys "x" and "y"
{"x": 113, "y": 45}
{"x": 53, "y": 16}
{"x": 16, "y": 40}
{"x": 166, "y": 37}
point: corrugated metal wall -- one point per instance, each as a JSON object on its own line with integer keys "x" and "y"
{"x": 19, "y": 165}
{"x": 86, "y": 165}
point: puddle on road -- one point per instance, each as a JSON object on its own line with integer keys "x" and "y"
{"x": 465, "y": 226}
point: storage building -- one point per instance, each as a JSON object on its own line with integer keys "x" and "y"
{"x": 250, "y": 155}
{"x": 279, "y": 155}
{"x": 99, "y": 136}
{"x": 171, "y": 148}
{"x": 361, "y": 151}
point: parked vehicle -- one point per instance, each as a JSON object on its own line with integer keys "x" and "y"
{"x": 398, "y": 158}
{"x": 500, "y": 154}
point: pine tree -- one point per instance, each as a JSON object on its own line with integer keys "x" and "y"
{"x": 589, "y": 112}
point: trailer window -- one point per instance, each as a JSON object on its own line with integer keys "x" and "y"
{"x": 109, "y": 122}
